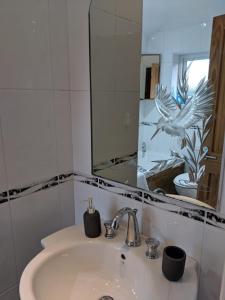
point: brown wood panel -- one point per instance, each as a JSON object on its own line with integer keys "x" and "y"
{"x": 209, "y": 186}
{"x": 164, "y": 179}
{"x": 154, "y": 80}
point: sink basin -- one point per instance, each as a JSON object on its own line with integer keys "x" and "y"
{"x": 73, "y": 267}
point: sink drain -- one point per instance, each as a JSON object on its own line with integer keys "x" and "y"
{"x": 106, "y": 298}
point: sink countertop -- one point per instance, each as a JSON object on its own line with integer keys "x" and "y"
{"x": 74, "y": 236}
{"x": 71, "y": 235}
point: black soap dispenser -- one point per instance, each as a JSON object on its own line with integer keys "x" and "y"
{"x": 92, "y": 222}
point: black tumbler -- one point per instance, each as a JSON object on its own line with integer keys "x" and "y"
{"x": 173, "y": 263}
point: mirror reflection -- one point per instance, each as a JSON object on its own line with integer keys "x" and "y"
{"x": 157, "y": 77}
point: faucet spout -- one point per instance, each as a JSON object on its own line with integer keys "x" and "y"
{"x": 133, "y": 238}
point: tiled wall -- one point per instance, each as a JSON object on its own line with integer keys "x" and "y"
{"x": 200, "y": 233}
{"x": 175, "y": 42}
{"x": 35, "y": 132}
{"x": 43, "y": 69}
{"x": 203, "y": 241}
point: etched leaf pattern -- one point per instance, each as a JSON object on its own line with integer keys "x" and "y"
{"x": 195, "y": 157}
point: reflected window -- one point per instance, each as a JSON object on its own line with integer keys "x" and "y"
{"x": 198, "y": 68}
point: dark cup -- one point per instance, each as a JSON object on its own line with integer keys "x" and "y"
{"x": 173, "y": 263}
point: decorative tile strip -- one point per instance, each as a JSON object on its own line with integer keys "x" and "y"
{"x": 197, "y": 215}
{"x": 170, "y": 205}
{"x": 66, "y": 177}
{"x": 90, "y": 180}
{"x": 34, "y": 188}
{"x": 216, "y": 220}
{"x": 129, "y": 193}
{"x": 3, "y": 197}
{"x": 103, "y": 165}
{"x": 121, "y": 160}
{"x": 148, "y": 198}
{"x": 114, "y": 161}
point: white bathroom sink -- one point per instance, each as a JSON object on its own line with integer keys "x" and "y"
{"x": 73, "y": 267}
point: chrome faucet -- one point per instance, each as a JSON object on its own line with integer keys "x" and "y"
{"x": 133, "y": 238}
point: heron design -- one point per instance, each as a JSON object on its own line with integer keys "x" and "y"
{"x": 175, "y": 118}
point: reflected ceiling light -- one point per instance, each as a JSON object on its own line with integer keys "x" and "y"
{"x": 203, "y": 24}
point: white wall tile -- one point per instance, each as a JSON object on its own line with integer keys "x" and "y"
{"x": 126, "y": 106}
{"x": 8, "y": 276}
{"x": 128, "y": 49}
{"x": 63, "y": 133}
{"x": 125, "y": 172}
{"x": 155, "y": 44}
{"x": 130, "y": 9}
{"x": 115, "y": 124}
{"x": 59, "y": 43}
{"x": 187, "y": 45}
{"x": 174, "y": 229}
{"x": 112, "y": 203}
{"x": 81, "y": 131}
{"x": 3, "y": 178}
{"x": 66, "y": 196}
{"x": 24, "y": 51}
{"x": 102, "y": 51}
{"x": 221, "y": 193}
{"x": 171, "y": 44}
{"x": 166, "y": 74}
{"x": 11, "y": 294}
{"x": 205, "y": 36}
{"x": 106, "y": 5}
{"x": 104, "y": 122}
{"x": 213, "y": 257}
{"x": 34, "y": 217}
{"x": 28, "y": 135}
{"x": 79, "y": 44}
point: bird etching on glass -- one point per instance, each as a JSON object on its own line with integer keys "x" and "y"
{"x": 176, "y": 117}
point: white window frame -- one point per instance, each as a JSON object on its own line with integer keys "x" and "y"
{"x": 184, "y": 58}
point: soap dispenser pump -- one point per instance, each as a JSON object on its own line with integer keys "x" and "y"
{"x": 92, "y": 222}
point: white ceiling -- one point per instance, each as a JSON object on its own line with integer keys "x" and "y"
{"x": 159, "y": 15}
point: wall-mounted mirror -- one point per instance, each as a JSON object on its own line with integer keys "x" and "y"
{"x": 158, "y": 95}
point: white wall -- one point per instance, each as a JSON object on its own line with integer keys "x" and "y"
{"x": 35, "y": 132}
{"x": 206, "y": 243}
{"x": 179, "y": 41}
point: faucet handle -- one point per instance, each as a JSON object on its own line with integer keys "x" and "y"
{"x": 109, "y": 231}
{"x": 152, "y": 251}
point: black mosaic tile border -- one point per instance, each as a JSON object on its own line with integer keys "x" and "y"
{"x": 31, "y": 189}
{"x": 114, "y": 161}
{"x": 202, "y": 215}
{"x": 128, "y": 193}
{"x": 90, "y": 180}
{"x": 196, "y": 214}
{"x": 27, "y": 190}
{"x": 215, "y": 219}
{"x": 66, "y": 177}
{"x": 3, "y": 197}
